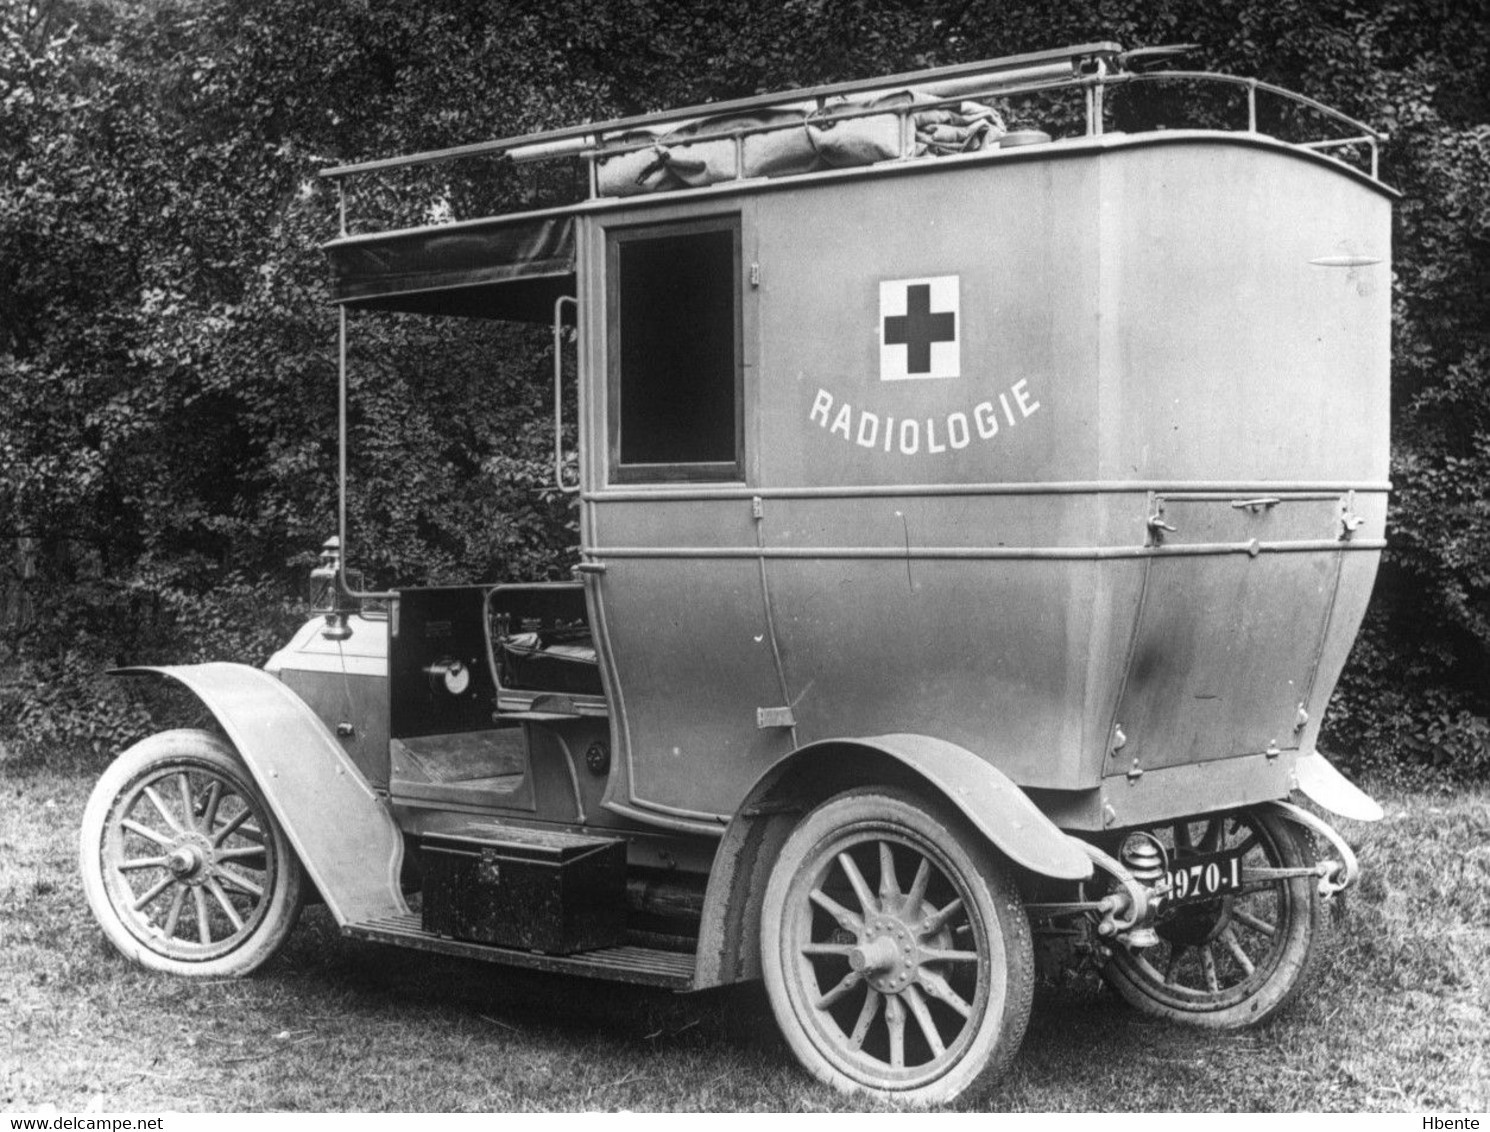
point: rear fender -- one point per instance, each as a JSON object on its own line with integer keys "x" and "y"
{"x": 344, "y": 835}
{"x": 729, "y": 943}
{"x": 1322, "y": 784}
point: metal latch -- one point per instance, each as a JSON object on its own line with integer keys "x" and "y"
{"x": 1261, "y": 503}
{"x": 1350, "y": 522}
{"x": 1156, "y": 524}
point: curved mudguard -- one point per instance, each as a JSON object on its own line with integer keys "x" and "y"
{"x": 988, "y": 798}
{"x": 1323, "y": 784}
{"x": 345, "y": 837}
{"x": 996, "y": 807}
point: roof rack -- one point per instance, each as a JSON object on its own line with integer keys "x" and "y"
{"x": 1091, "y": 68}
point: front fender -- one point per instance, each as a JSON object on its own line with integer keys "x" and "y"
{"x": 344, "y": 835}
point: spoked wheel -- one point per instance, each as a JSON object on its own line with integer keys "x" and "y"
{"x": 1237, "y": 959}
{"x": 896, "y": 952}
{"x": 183, "y": 863}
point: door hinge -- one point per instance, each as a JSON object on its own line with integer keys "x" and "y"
{"x": 767, "y": 717}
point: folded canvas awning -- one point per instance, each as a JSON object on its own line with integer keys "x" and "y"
{"x": 508, "y": 268}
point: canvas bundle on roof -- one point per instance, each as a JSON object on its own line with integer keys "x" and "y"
{"x": 777, "y": 142}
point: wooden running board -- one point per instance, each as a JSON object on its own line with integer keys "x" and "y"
{"x": 646, "y": 965}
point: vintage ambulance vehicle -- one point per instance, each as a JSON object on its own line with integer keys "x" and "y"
{"x": 975, "y": 522}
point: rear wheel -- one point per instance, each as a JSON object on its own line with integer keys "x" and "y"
{"x": 183, "y": 863}
{"x": 896, "y": 951}
{"x": 1236, "y": 960}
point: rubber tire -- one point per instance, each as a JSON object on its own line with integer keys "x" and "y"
{"x": 1290, "y": 971}
{"x": 996, "y": 902}
{"x": 203, "y": 751}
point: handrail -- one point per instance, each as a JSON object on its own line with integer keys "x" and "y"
{"x": 1367, "y": 135}
{"x": 1072, "y": 56}
{"x": 567, "y": 488}
{"x": 1253, "y": 86}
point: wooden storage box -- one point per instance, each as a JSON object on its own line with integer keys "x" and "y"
{"x": 536, "y": 890}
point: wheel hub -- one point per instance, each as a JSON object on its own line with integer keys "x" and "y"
{"x": 190, "y": 858}
{"x": 888, "y": 954}
{"x": 1197, "y": 924}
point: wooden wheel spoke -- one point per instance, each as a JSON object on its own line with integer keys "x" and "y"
{"x": 895, "y": 1024}
{"x": 938, "y": 920}
{"x": 922, "y": 1014}
{"x": 1182, "y": 835}
{"x": 225, "y": 904}
{"x": 204, "y": 928}
{"x": 857, "y": 883}
{"x": 242, "y": 853}
{"x": 1257, "y": 924}
{"x": 938, "y": 987}
{"x": 847, "y": 920}
{"x": 1172, "y": 967}
{"x": 941, "y": 955}
{"x": 232, "y": 826}
{"x": 214, "y": 799}
{"x": 152, "y": 892}
{"x": 161, "y": 808}
{"x": 1208, "y": 965}
{"x": 889, "y": 885}
{"x": 143, "y": 863}
{"x": 841, "y": 949}
{"x": 146, "y": 832}
{"x": 845, "y": 984}
{"x": 188, "y": 817}
{"x": 1210, "y": 842}
{"x": 240, "y": 882}
{"x": 1234, "y": 945}
{"x": 867, "y": 1014}
{"x": 1249, "y": 844}
{"x": 173, "y": 917}
{"x": 917, "y": 894}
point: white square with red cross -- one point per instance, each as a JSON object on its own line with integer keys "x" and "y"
{"x": 920, "y": 328}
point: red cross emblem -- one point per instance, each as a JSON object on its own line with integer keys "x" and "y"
{"x": 919, "y": 328}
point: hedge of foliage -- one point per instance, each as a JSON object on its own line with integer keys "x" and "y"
{"x": 167, "y": 413}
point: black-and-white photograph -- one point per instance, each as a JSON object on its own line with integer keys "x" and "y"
{"x": 690, "y": 555}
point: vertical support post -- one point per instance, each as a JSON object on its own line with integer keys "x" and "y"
{"x": 1252, "y": 106}
{"x": 337, "y": 627}
{"x": 1099, "y": 88}
{"x": 341, "y": 430}
{"x": 559, "y": 391}
{"x": 341, "y": 203}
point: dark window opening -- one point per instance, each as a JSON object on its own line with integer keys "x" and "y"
{"x": 676, "y": 320}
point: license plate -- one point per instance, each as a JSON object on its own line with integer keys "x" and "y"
{"x": 1202, "y": 876}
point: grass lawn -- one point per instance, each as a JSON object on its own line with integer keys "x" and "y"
{"x": 1399, "y": 1019}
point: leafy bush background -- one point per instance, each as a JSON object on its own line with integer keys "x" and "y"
{"x": 167, "y": 356}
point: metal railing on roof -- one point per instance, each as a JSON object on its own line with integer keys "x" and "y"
{"x": 1091, "y": 69}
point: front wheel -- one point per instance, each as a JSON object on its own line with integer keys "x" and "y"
{"x": 1238, "y": 959}
{"x": 184, "y": 865}
{"x": 896, "y": 952}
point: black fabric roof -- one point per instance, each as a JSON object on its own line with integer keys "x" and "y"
{"x": 512, "y": 268}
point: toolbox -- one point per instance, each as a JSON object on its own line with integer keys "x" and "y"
{"x": 535, "y": 890}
